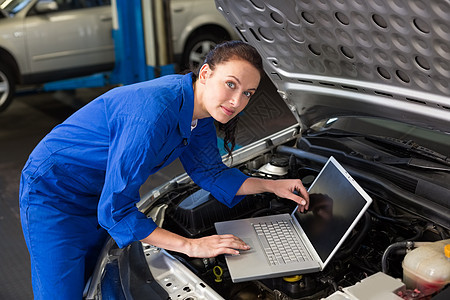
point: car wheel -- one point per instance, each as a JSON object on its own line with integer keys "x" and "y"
{"x": 7, "y": 87}
{"x": 197, "y": 48}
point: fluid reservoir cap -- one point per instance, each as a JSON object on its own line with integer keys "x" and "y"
{"x": 447, "y": 250}
{"x": 280, "y": 161}
{"x": 294, "y": 278}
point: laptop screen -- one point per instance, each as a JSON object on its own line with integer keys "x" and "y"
{"x": 334, "y": 205}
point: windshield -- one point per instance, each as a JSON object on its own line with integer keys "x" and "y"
{"x": 12, "y": 7}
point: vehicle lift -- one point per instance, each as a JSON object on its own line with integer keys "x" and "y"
{"x": 142, "y": 46}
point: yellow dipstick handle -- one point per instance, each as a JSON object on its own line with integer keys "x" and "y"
{"x": 218, "y": 272}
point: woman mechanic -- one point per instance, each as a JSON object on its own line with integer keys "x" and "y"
{"x": 88, "y": 170}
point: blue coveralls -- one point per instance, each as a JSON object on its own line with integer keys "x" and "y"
{"x": 88, "y": 171}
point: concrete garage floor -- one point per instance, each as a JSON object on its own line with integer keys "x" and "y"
{"x": 32, "y": 115}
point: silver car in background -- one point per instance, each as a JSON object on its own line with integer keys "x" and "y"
{"x": 43, "y": 41}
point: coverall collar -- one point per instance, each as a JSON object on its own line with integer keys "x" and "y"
{"x": 187, "y": 107}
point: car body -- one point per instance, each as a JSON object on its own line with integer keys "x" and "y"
{"x": 364, "y": 82}
{"x": 43, "y": 41}
{"x": 197, "y": 26}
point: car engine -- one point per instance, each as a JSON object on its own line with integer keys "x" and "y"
{"x": 380, "y": 241}
{"x": 400, "y": 222}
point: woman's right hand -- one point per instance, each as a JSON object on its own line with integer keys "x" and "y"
{"x": 211, "y": 246}
{"x": 205, "y": 247}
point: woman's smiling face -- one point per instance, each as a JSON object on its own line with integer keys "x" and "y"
{"x": 227, "y": 88}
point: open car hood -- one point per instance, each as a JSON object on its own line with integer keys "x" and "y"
{"x": 387, "y": 59}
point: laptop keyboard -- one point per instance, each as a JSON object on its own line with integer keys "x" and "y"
{"x": 280, "y": 243}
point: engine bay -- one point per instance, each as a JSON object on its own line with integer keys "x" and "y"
{"x": 379, "y": 242}
{"x": 396, "y": 249}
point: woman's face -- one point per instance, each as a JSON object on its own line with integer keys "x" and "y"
{"x": 228, "y": 88}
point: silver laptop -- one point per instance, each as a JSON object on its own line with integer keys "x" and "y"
{"x": 299, "y": 243}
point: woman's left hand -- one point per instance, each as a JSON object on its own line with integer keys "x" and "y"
{"x": 294, "y": 190}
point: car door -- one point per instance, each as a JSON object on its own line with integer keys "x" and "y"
{"x": 181, "y": 13}
{"x": 76, "y": 35}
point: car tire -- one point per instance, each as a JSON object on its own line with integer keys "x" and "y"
{"x": 197, "y": 48}
{"x": 7, "y": 87}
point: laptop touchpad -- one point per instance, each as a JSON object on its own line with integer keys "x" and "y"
{"x": 249, "y": 241}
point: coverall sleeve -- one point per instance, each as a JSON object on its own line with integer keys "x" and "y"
{"x": 203, "y": 163}
{"x": 134, "y": 144}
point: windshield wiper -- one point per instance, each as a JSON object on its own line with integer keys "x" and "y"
{"x": 412, "y": 147}
{"x": 438, "y": 161}
{"x": 413, "y": 162}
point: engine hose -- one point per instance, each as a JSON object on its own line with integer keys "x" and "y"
{"x": 419, "y": 233}
{"x": 441, "y": 232}
{"x": 399, "y": 245}
{"x": 302, "y": 154}
{"x": 390, "y": 219}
